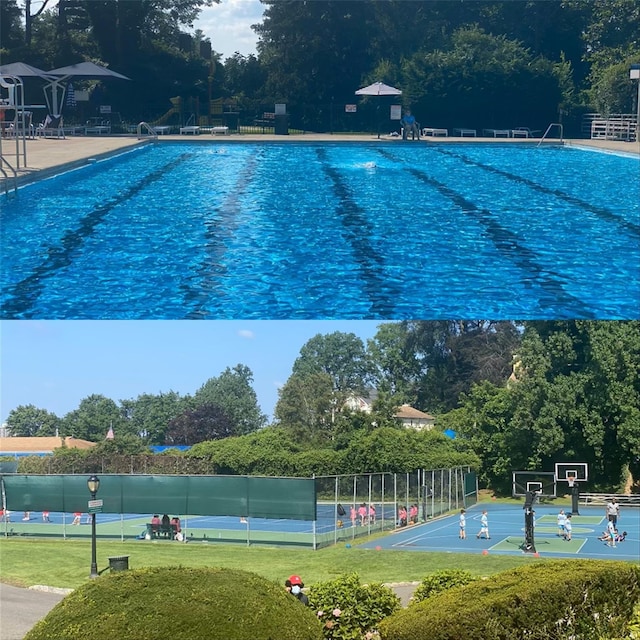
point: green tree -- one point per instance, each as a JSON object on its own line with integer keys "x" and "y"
{"x": 29, "y": 421}
{"x": 305, "y": 404}
{"x": 343, "y": 358}
{"x": 149, "y": 415}
{"x": 574, "y": 397}
{"x": 233, "y": 393}
{"x": 93, "y": 418}
{"x": 206, "y": 421}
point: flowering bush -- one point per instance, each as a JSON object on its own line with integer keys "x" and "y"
{"x": 349, "y": 610}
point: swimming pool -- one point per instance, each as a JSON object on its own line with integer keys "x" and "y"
{"x": 339, "y": 230}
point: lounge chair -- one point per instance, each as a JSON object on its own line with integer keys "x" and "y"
{"x": 525, "y": 132}
{"x": 462, "y": 132}
{"x": 22, "y": 126}
{"x": 496, "y": 133}
{"x": 433, "y": 131}
{"x": 195, "y": 130}
{"x": 51, "y": 127}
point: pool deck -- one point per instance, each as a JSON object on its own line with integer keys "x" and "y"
{"x": 47, "y": 156}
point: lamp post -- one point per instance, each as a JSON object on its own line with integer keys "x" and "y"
{"x": 93, "y": 484}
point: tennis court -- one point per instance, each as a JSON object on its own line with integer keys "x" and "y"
{"x": 506, "y": 529}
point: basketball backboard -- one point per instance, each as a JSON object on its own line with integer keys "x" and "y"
{"x": 579, "y": 471}
{"x": 543, "y": 483}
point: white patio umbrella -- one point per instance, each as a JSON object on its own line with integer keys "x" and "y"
{"x": 82, "y": 70}
{"x": 378, "y": 89}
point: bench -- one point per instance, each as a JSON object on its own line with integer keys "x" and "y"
{"x": 157, "y": 530}
{"x": 162, "y": 130}
{"x": 497, "y": 133}
{"x": 98, "y": 129}
{"x": 464, "y": 132}
{"x": 220, "y": 130}
{"x": 268, "y": 119}
{"x": 431, "y": 131}
{"x": 195, "y": 130}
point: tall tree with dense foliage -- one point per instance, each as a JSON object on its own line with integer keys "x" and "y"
{"x": 93, "y": 418}
{"x": 574, "y": 397}
{"x": 29, "y": 421}
{"x": 428, "y": 364}
{"x": 206, "y": 421}
{"x": 232, "y": 391}
{"x": 148, "y": 416}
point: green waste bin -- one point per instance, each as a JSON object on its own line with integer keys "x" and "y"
{"x": 119, "y": 563}
{"x": 281, "y": 124}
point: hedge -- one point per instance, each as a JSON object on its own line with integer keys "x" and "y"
{"x": 552, "y": 600}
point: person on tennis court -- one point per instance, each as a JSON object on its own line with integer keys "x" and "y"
{"x": 484, "y": 526}
{"x": 567, "y": 528}
{"x": 561, "y": 519}
{"x": 611, "y": 534}
{"x": 613, "y": 511}
{"x": 463, "y": 525}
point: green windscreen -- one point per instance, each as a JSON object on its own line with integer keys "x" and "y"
{"x": 287, "y": 498}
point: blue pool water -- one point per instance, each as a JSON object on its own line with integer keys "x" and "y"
{"x": 289, "y": 230}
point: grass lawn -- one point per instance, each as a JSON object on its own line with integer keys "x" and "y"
{"x": 60, "y": 563}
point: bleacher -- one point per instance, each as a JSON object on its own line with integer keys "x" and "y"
{"x": 617, "y": 126}
{"x": 623, "y": 499}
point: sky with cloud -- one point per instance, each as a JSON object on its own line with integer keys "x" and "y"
{"x": 55, "y": 364}
{"x": 228, "y": 26}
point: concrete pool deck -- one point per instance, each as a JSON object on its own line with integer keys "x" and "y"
{"x": 47, "y": 156}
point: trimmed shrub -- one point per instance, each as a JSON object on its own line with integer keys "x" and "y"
{"x": 348, "y": 609}
{"x": 578, "y": 599}
{"x": 441, "y": 581}
{"x": 179, "y": 603}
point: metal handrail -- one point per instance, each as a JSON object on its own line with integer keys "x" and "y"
{"x": 553, "y": 124}
{"x": 149, "y": 129}
{"x": 6, "y": 176}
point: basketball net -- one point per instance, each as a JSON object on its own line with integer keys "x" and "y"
{"x": 571, "y": 480}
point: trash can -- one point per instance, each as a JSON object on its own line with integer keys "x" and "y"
{"x": 119, "y": 563}
{"x": 281, "y": 124}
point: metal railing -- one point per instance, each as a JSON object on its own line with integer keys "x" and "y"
{"x": 150, "y": 131}
{"x": 553, "y": 124}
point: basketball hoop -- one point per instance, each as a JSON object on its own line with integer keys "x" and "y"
{"x": 571, "y": 480}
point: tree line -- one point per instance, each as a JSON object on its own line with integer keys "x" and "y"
{"x": 473, "y": 64}
{"x": 519, "y": 397}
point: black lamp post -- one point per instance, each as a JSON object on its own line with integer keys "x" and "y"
{"x": 93, "y": 483}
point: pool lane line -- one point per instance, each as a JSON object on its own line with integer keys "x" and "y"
{"x": 220, "y": 225}
{"x": 357, "y": 230}
{"x": 23, "y": 295}
{"x": 510, "y": 246}
{"x": 600, "y": 212}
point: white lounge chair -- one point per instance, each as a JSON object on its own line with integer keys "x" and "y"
{"x": 52, "y": 126}
{"x": 195, "y": 130}
{"x": 433, "y": 131}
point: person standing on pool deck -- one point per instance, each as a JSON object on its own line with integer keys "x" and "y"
{"x": 484, "y": 526}
{"x": 463, "y": 525}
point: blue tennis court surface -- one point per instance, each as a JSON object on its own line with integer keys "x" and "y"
{"x": 506, "y": 529}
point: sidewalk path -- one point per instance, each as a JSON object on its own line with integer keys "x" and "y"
{"x": 20, "y": 608}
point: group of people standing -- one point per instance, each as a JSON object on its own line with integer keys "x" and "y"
{"x": 363, "y": 514}
{"x": 407, "y": 517}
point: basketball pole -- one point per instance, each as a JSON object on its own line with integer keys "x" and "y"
{"x": 575, "y": 496}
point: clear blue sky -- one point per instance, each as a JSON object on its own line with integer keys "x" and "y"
{"x": 55, "y": 364}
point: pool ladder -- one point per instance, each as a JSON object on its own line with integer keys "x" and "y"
{"x": 149, "y": 130}
{"x": 553, "y": 124}
{"x": 4, "y": 162}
